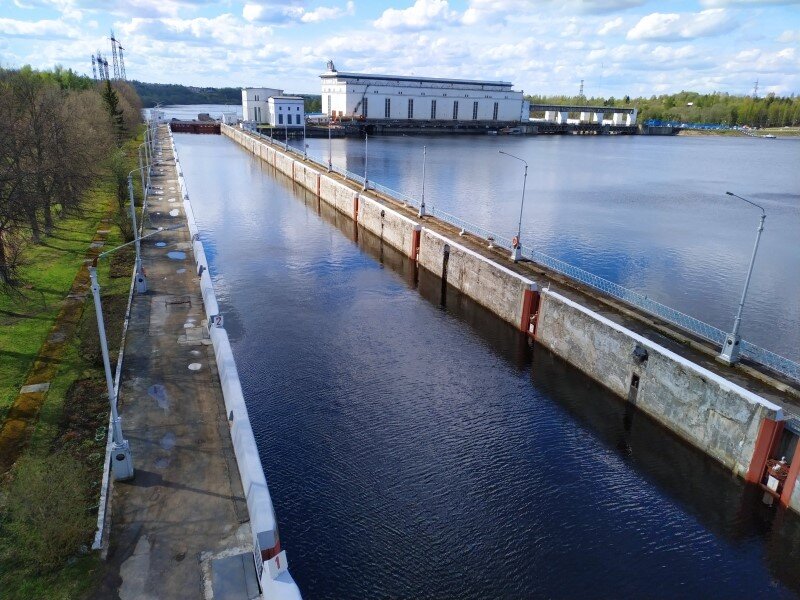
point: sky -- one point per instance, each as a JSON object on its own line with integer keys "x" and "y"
{"x": 618, "y": 47}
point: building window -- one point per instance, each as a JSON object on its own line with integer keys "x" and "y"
{"x": 256, "y": 98}
{"x": 455, "y": 110}
{"x": 494, "y": 113}
{"x": 364, "y": 107}
{"x": 387, "y": 108}
{"x": 410, "y": 108}
{"x": 280, "y": 119}
{"x": 297, "y": 120}
{"x": 433, "y": 109}
{"x": 475, "y": 111}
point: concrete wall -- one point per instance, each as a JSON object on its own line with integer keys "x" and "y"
{"x": 717, "y": 416}
{"x": 491, "y": 285}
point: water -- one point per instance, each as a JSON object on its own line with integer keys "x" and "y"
{"x": 417, "y": 447}
{"x": 649, "y": 213}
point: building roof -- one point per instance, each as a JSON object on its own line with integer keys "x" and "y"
{"x": 335, "y": 74}
{"x": 285, "y": 98}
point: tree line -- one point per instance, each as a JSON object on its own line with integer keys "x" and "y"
{"x": 60, "y": 131}
{"x": 692, "y": 107}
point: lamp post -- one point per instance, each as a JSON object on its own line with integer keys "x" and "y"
{"x": 516, "y": 250}
{"x": 731, "y": 347}
{"x": 305, "y": 146}
{"x": 330, "y": 148}
{"x": 366, "y": 158}
{"x": 141, "y": 278}
{"x": 121, "y": 459}
{"x": 286, "y": 135}
{"x": 422, "y": 203}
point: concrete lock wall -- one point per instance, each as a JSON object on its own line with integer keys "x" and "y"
{"x": 271, "y": 563}
{"x": 717, "y": 416}
{"x": 393, "y": 228}
{"x": 491, "y": 285}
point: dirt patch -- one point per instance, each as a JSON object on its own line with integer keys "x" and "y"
{"x": 114, "y": 307}
{"x": 121, "y": 262}
{"x": 83, "y": 428}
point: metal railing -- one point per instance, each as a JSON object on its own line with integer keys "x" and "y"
{"x": 777, "y": 363}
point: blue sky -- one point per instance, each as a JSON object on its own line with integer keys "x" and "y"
{"x": 619, "y": 47}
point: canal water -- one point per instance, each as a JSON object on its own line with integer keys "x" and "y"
{"x": 417, "y": 447}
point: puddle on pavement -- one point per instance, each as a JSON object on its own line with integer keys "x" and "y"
{"x": 161, "y": 244}
{"x": 181, "y": 271}
{"x": 159, "y": 393}
{"x": 161, "y": 463}
{"x": 174, "y": 212}
{"x": 168, "y": 441}
{"x": 175, "y": 255}
{"x": 195, "y": 366}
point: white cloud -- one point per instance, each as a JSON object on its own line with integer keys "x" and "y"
{"x": 725, "y": 3}
{"x": 790, "y": 37}
{"x": 424, "y": 14}
{"x": 612, "y": 26}
{"x": 44, "y": 29}
{"x": 281, "y": 13}
{"x": 683, "y": 26}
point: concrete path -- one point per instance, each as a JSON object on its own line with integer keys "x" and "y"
{"x": 185, "y": 505}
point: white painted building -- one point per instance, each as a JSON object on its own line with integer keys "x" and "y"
{"x": 286, "y": 111}
{"x": 255, "y": 103}
{"x": 393, "y": 97}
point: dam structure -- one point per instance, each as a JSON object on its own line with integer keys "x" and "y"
{"x": 740, "y": 417}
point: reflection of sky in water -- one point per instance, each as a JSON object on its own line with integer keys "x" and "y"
{"x": 649, "y": 213}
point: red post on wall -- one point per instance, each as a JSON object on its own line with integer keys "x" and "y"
{"x": 530, "y": 307}
{"x": 769, "y": 434}
{"x": 415, "y": 236}
{"x": 791, "y": 479}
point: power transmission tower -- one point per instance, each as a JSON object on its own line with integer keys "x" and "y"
{"x": 94, "y": 68}
{"x": 580, "y": 92}
{"x": 121, "y": 63}
{"x": 755, "y": 89}
{"x": 114, "y": 55}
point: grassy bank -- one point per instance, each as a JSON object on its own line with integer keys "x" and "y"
{"x": 48, "y": 500}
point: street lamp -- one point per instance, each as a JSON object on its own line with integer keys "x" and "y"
{"x": 330, "y": 148}
{"x": 141, "y": 279}
{"x": 121, "y": 459}
{"x": 516, "y": 243}
{"x": 422, "y": 203}
{"x": 731, "y": 347}
{"x": 366, "y": 158}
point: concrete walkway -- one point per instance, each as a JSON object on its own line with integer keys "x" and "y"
{"x": 185, "y": 505}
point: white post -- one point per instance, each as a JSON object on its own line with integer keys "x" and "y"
{"x": 141, "y": 280}
{"x": 366, "y": 157}
{"x": 516, "y": 250}
{"x": 330, "y": 146}
{"x": 121, "y": 460}
{"x": 731, "y": 347}
{"x": 422, "y": 203}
